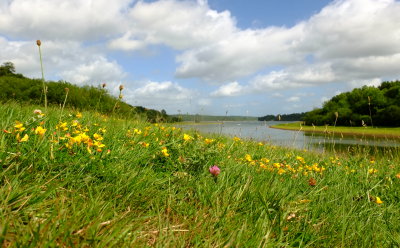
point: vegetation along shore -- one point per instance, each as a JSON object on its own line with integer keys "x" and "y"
{"x": 385, "y": 132}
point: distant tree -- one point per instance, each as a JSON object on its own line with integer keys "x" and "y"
{"x": 7, "y": 68}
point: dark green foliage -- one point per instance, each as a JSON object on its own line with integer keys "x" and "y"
{"x": 17, "y": 87}
{"x": 362, "y": 106}
{"x": 284, "y": 117}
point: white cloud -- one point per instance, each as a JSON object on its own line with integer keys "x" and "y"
{"x": 240, "y": 54}
{"x": 178, "y": 24}
{"x": 67, "y": 60}
{"x": 63, "y": 19}
{"x": 231, "y": 89}
{"x": 166, "y": 95}
{"x": 293, "y": 99}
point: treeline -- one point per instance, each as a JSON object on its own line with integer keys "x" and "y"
{"x": 15, "y": 86}
{"x": 200, "y": 118}
{"x": 366, "y": 106}
{"x": 284, "y": 117}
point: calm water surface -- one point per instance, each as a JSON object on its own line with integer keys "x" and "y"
{"x": 261, "y": 131}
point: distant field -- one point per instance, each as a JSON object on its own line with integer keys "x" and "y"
{"x": 362, "y": 131}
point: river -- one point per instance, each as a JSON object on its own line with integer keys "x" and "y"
{"x": 261, "y": 131}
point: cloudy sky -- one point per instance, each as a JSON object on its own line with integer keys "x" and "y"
{"x": 251, "y": 58}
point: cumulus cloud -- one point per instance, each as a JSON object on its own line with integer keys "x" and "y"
{"x": 168, "y": 94}
{"x": 178, "y": 24}
{"x": 62, "y": 19}
{"x": 231, "y": 89}
{"x": 66, "y": 60}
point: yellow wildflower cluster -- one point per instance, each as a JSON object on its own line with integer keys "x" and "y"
{"x": 299, "y": 167}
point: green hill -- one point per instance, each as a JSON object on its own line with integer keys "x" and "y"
{"x": 17, "y": 87}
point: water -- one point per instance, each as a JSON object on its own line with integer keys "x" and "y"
{"x": 261, "y": 131}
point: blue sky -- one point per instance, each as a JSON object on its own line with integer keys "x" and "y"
{"x": 252, "y": 58}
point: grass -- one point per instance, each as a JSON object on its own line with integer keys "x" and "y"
{"x": 360, "y": 131}
{"x": 95, "y": 180}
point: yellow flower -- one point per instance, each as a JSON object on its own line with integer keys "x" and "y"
{"x": 97, "y": 136}
{"x": 300, "y": 159}
{"x": 187, "y": 137}
{"x": 19, "y": 126}
{"x": 62, "y": 126}
{"x": 378, "y": 200}
{"x": 98, "y": 144}
{"x": 248, "y": 158}
{"x": 372, "y": 171}
{"x": 40, "y": 130}
{"x": 137, "y": 131}
{"x": 79, "y": 115}
{"x": 236, "y": 139}
{"x": 23, "y": 139}
{"x": 164, "y": 151}
{"x": 208, "y": 141}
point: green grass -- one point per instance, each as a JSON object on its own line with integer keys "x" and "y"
{"x": 149, "y": 186}
{"x": 360, "y": 131}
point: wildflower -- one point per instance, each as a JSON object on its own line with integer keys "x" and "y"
{"x": 23, "y": 139}
{"x": 19, "y": 126}
{"x": 248, "y": 158}
{"x": 75, "y": 123}
{"x": 144, "y": 144}
{"x": 281, "y": 171}
{"x": 398, "y": 175}
{"x": 98, "y": 144}
{"x": 164, "y": 151}
{"x": 121, "y": 87}
{"x": 236, "y": 139}
{"x": 372, "y": 171}
{"x": 215, "y": 170}
{"x": 97, "y": 136}
{"x": 137, "y": 131}
{"x": 5, "y": 131}
{"x": 37, "y": 112}
{"x": 208, "y": 141}
{"x": 40, "y": 130}
{"x": 301, "y": 159}
{"x": 62, "y": 126}
{"x": 378, "y": 200}
{"x": 312, "y": 182}
{"x": 187, "y": 137}
{"x": 79, "y": 115}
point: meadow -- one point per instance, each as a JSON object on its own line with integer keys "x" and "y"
{"x": 85, "y": 179}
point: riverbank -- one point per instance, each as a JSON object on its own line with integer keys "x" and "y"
{"x": 353, "y": 131}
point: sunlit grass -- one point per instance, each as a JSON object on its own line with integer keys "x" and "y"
{"x": 85, "y": 179}
{"x": 361, "y": 131}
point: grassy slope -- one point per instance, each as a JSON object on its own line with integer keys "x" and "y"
{"x": 150, "y": 186}
{"x": 362, "y": 131}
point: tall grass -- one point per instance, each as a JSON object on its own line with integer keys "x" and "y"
{"x": 149, "y": 185}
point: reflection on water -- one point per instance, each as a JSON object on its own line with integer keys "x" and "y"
{"x": 303, "y": 140}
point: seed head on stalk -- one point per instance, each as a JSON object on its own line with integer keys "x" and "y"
{"x": 39, "y": 43}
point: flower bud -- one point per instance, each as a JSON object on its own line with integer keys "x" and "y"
{"x": 214, "y": 170}
{"x": 38, "y": 42}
